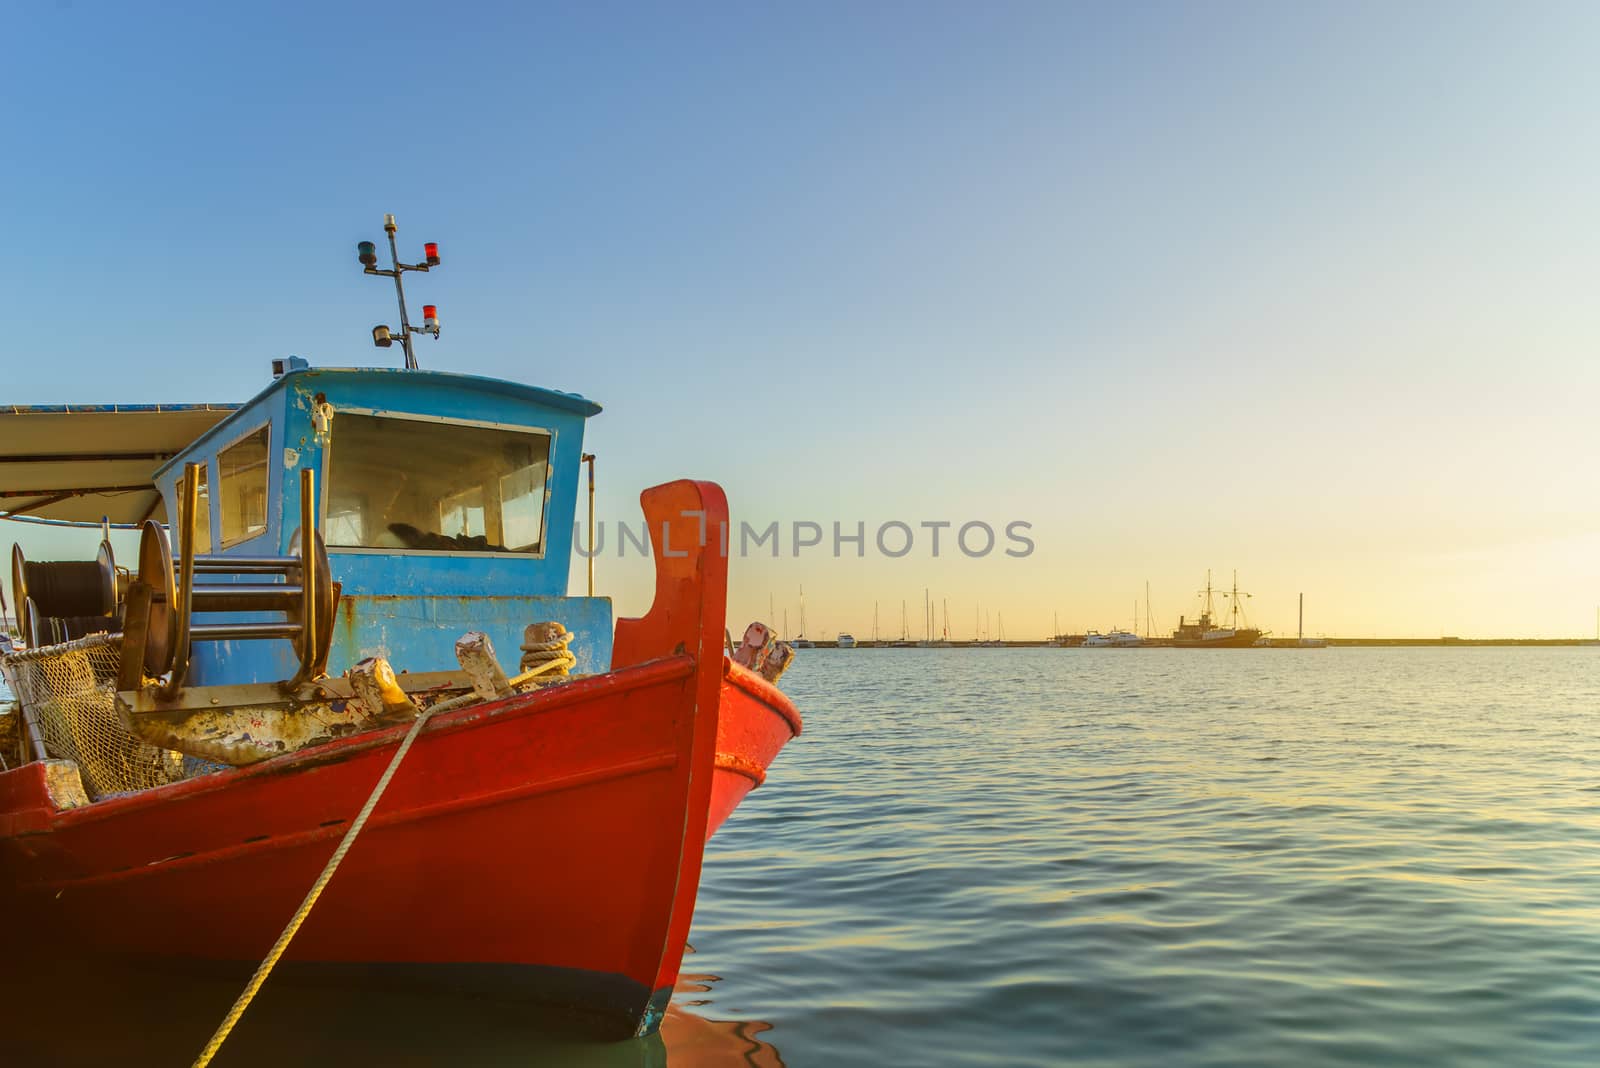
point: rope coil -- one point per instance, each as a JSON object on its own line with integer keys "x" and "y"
{"x": 547, "y": 643}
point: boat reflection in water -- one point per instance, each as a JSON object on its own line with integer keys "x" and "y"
{"x": 701, "y": 1042}
{"x": 148, "y": 1017}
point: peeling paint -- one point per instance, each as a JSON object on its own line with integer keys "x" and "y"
{"x": 64, "y": 784}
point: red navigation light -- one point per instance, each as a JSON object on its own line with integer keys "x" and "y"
{"x": 430, "y": 317}
{"x": 368, "y": 253}
{"x": 430, "y": 252}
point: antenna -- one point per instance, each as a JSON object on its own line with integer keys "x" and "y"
{"x": 367, "y": 252}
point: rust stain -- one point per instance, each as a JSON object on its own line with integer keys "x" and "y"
{"x": 741, "y": 766}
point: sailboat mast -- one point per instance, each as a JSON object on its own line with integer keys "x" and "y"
{"x": 946, "y": 635}
{"x": 1302, "y": 628}
{"x": 1147, "y": 631}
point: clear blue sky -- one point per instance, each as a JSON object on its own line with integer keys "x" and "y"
{"x": 1302, "y": 290}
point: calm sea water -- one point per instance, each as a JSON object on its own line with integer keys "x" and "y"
{"x": 1077, "y": 857}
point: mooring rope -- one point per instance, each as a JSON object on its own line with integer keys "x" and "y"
{"x": 315, "y": 892}
{"x": 558, "y": 664}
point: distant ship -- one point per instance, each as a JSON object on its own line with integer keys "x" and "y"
{"x": 905, "y": 641}
{"x": 846, "y": 641}
{"x": 1204, "y": 633}
{"x": 800, "y": 641}
{"x": 1117, "y": 639}
{"x": 930, "y": 642}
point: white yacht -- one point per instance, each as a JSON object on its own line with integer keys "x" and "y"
{"x": 1117, "y": 639}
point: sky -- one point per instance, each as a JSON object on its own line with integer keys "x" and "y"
{"x": 1302, "y": 291}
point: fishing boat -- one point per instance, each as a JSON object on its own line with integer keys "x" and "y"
{"x": 348, "y": 550}
{"x": 1205, "y": 633}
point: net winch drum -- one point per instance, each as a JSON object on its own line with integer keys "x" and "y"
{"x": 158, "y": 571}
{"x": 74, "y": 593}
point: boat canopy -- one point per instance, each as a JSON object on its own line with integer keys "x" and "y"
{"x": 77, "y": 463}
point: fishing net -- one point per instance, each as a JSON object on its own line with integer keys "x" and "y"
{"x": 70, "y": 690}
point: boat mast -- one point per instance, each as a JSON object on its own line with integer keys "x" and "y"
{"x": 368, "y": 254}
{"x": 946, "y": 635}
{"x": 1302, "y": 634}
{"x": 1235, "y": 595}
{"x": 1147, "y": 608}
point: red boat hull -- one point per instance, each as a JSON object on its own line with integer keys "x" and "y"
{"x": 547, "y": 845}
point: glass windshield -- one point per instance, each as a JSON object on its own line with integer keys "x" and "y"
{"x": 396, "y": 483}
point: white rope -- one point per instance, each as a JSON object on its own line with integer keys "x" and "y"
{"x": 559, "y": 664}
{"x": 315, "y": 892}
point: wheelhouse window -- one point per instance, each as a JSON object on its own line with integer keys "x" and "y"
{"x": 242, "y": 488}
{"x": 397, "y": 483}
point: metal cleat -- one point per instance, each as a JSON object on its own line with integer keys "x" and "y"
{"x": 754, "y": 649}
{"x": 373, "y": 683}
{"x": 778, "y": 661}
{"x": 476, "y": 655}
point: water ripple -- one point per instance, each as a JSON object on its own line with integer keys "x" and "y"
{"x": 1341, "y": 857}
